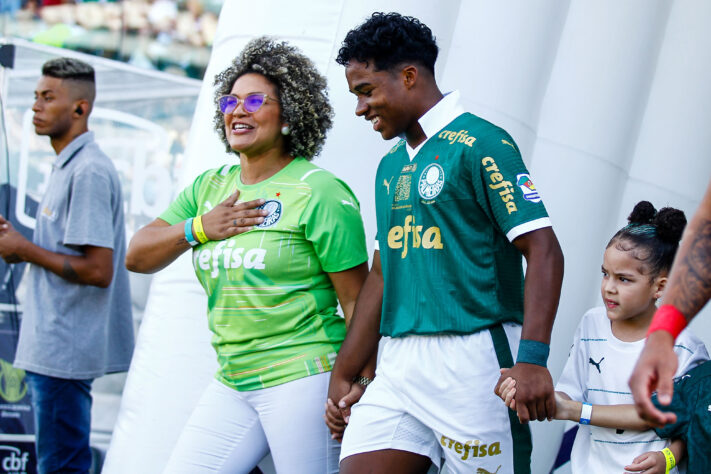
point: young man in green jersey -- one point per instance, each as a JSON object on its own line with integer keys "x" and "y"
{"x": 456, "y": 209}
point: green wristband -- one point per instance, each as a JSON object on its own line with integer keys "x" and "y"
{"x": 533, "y": 352}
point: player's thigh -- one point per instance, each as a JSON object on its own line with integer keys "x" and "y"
{"x": 386, "y": 461}
{"x": 223, "y": 435}
{"x": 380, "y": 424}
{"x": 292, "y": 417}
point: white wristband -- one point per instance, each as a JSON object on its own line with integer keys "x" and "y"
{"x": 586, "y": 414}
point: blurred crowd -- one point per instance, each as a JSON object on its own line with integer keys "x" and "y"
{"x": 146, "y": 32}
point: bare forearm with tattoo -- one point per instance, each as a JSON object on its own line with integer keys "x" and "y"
{"x": 68, "y": 272}
{"x": 690, "y": 281}
{"x": 94, "y": 267}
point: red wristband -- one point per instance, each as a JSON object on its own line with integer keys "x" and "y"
{"x": 667, "y": 318}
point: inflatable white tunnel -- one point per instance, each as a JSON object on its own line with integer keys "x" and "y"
{"x": 608, "y": 101}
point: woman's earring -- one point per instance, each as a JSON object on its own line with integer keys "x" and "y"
{"x": 285, "y": 130}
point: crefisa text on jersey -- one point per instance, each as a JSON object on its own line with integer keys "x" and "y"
{"x": 225, "y": 255}
{"x": 461, "y": 136}
{"x": 398, "y": 236}
{"x": 497, "y": 179}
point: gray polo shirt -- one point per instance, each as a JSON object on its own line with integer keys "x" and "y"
{"x": 70, "y": 330}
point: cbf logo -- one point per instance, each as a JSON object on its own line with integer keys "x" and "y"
{"x": 431, "y": 181}
{"x": 524, "y": 182}
{"x": 14, "y": 460}
{"x": 274, "y": 207}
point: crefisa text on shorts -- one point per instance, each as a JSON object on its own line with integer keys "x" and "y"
{"x": 471, "y": 449}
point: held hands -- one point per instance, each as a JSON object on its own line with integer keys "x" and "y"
{"x": 342, "y": 395}
{"x": 507, "y": 390}
{"x": 231, "y": 217}
{"x": 11, "y": 242}
{"x": 565, "y": 409}
{"x": 655, "y": 371}
{"x": 534, "y": 396}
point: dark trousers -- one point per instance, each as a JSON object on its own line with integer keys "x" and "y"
{"x": 62, "y": 423}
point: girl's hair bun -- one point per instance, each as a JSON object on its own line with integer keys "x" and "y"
{"x": 656, "y": 233}
{"x": 643, "y": 213}
{"x": 670, "y": 224}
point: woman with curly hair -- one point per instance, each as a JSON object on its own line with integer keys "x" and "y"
{"x": 277, "y": 242}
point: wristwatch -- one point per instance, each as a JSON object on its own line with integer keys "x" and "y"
{"x": 362, "y": 380}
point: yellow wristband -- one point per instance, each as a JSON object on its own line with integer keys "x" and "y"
{"x": 669, "y": 458}
{"x": 199, "y": 231}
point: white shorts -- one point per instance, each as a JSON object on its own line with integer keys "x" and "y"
{"x": 231, "y": 431}
{"x": 434, "y": 396}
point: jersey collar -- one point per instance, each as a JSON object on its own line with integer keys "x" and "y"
{"x": 73, "y": 148}
{"x": 443, "y": 112}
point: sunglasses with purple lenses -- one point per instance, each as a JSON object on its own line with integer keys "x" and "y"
{"x": 251, "y": 103}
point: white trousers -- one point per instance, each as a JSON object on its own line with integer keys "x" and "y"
{"x": 231, "y": 431}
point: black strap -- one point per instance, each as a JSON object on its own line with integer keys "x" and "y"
{"x": 520, "y": 434}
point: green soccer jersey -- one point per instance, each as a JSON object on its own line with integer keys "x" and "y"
{"x": 692, "y": 405}
{"x": 271, "y": 304}
{"x": 445, "y": 221}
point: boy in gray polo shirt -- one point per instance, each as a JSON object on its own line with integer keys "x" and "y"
{"x": 77, "y": 322}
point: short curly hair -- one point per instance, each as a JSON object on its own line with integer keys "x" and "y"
{"x": 302, "y": 92}
{"x": 390, "y": 39}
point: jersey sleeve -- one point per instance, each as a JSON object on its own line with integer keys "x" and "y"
{"x": 571, "y": 379}
{"x": 333, "y": 224}
{"x": 382, "y": 193}
{"x": 681, "y": 405}
{"x": 186, "y": 204}
{"x": 505, "y": 188}
{"x": 379, "y": 207}
{"x": 90, "y": 214}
